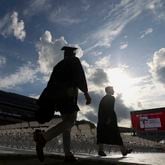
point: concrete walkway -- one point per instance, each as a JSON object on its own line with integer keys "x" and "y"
{"x": 24, "y": 157}
{"x": 19, "y": 159}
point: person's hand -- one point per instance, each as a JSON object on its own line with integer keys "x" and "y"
{"x": 88, "y": 98}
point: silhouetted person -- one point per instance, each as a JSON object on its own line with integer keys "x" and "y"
{"x": 67, "y": 77}
{"x": 107, "y": 128}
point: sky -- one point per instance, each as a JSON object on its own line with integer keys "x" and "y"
{"x": 121, "y": 43}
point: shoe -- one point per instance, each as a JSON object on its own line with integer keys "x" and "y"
{"x": 40, "y": 143}
{"x": 127, "y": 151}
{"x": 70, "y": 158}
{"x": 102, "y": 153}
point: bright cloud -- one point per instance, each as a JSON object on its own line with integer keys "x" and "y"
{"x": 25, "y": 74}
{"x": 49, "y": 52}
{"x": 157, "y": 65}
{"x": 10, "y": 25}
{"x": 149, "y": 94}
{"x": 103, "y": 62}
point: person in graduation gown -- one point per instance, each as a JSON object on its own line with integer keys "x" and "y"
{"x": 61, "y": 95}
{"x": 107, "y": 128}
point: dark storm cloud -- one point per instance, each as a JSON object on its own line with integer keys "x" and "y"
{"x": 96, "y": 97}
{"x": 99, "y": 77}
{"x": 122, "y": 111}
{"x": 91, "y": 116}
{"x": 161, "y": 74}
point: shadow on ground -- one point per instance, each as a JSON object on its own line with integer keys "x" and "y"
{"x": 58, "y": 160}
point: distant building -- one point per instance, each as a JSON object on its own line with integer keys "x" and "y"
{"x": 149, "y": 120}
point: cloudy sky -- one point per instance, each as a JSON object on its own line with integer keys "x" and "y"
{"x": 121, "y": 43}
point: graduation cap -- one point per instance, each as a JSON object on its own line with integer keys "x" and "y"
{"x": 68, "y": 48}
{"x": 69, "y": 51}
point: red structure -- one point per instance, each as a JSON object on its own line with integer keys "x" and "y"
{"x": 149, "y": 120}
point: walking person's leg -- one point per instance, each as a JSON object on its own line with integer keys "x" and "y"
{"x": 67, "y": 142}
{"x": 41, "y": 138}
{"x": 124, "y": 150}
{"x": 67, "y": 137}
{"x": 101, "y": 150}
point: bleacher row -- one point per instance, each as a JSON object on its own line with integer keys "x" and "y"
{"x": 83, "y": 141}
{"x": 16, "y": 108}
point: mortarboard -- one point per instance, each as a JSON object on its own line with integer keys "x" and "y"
{"x": 67, "y": 48}
{"x": 69, "y": 51}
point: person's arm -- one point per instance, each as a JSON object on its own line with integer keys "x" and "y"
{"x": 80, "y": 80}
{"x": 88, "y": 98}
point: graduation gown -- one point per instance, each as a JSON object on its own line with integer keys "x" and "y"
{"x": 62, "y": 89}
{"x": 107, "y": 128}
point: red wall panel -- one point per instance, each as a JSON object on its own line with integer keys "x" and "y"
{"x": 148, "y": 121}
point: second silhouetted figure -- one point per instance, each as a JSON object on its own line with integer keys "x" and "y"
{"x": 107, "y": 128}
